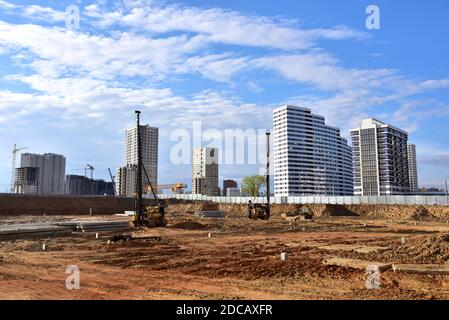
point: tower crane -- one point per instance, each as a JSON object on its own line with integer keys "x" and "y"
{"x": 112, "y": 180}
{"x": 91, "y": 169}
{"x": 14, "y": 154}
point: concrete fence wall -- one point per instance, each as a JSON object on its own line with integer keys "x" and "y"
{"x": 348, "y": 200}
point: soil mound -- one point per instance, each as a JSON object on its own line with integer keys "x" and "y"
{"x": 420, "y": 213}
{"x": 190, "y": 225}
{"x": 431, "y": 249}
{"x": 337, "y": 211}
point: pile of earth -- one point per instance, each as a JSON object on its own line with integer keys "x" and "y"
{"x": 420, "y": 213}
{"x": 190, "y": 225}
{"x": 428, "y": 249}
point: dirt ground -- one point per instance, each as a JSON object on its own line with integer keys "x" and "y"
{"x": 241, "y": 260}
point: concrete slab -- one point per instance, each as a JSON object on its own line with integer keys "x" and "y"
{"x": 356, "y": 264}
{"x": 437, "y": 269}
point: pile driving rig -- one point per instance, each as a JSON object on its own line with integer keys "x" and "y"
{"x": 258, "y": 211}
{"x": 150, "y": 216}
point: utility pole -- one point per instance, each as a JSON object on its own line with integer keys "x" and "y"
{"x": 268, "y": 174}
{"x": 139, "y": 173}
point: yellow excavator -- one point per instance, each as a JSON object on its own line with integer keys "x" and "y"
{"x": 153, "y": 215}
{"x": 259, "y": 211}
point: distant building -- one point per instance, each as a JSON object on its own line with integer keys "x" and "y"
{"x": 26, "y": 180}
{"x": 380, "y": 159}
{"x": 81, "y": 185}
{"x": 232, "y": 192}
{"x": 310, "y": 157}
{"x": 126, "y": 181}
{"x": 228, "y": 184}
{"x": 205, "y": 172}
{"x": 51, "y": 171}
{"x": 149, "y": 140}
{"x": 412, "y": 167}
{"x": 126, "y": 177}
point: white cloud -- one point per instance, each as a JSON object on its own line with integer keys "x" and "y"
{"x": 43, "y": 13}
{"x": 7, "y": 5}
{"x": 254, "y": 87}
{"x": 219, "y": 25}
{"x": 76, "y": 99}
{"x": 100, "y": 56}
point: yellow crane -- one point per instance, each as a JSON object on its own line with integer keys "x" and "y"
{"x": 176, "y": 188}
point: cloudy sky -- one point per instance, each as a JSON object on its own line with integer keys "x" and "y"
{"x": 224, "y": 63}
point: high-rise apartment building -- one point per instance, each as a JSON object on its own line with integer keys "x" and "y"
{"x": 126, "y": 176}
{"x": 51, "y": 171}
{"x": 205, "y": 171}
{"x": 149, "y": 139}
{"x": 412, "y": 167}
{"x": 380, "y": 159}
{"x": 310, "y": 157}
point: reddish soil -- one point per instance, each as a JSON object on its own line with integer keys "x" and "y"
{"x": 240, "y": 261}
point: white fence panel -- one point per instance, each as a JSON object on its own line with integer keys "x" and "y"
{"x": 442, "y": 201}
{"x": 342, "y": 200}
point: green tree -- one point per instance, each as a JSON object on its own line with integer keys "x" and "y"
{"x": 251, "y": 185}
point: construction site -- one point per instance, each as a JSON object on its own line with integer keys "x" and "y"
{"x": 153, "y": 247}
{"x": 215, "y": 251}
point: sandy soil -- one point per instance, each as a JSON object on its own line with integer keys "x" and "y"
{"x": 240, "y": 261}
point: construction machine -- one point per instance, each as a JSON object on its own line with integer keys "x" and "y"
{"x": 153, "y": 215}
{"x": 176, "y": 188}
{"x": 259, "y": 211}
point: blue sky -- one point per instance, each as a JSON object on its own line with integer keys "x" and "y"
{"x": 225, "y": 63}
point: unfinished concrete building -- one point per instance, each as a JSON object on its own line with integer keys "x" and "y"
{"x": 26, "y": 180}
{"x": 82, "y": 185}
{"x": 205, "y": 172}
{"x": 51, "y": 173}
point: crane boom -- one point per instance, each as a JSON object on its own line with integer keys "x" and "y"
{"x": 112, "y": 180}
{"x": 13, "y": 174}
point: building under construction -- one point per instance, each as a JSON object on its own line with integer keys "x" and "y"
{"x": 81, "y": 185}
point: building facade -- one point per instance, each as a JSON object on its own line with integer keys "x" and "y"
{"x": 126, "y": 176}
{"x": 227, "y": 184}
{"x": 26, "y": 180}
{"x": 205, "y": 172}
{"x": 126, "y": 181}
{"x": 51, "y": 171}
{"x": 81, "y": 185}
{"x": 149, "y": 140}
{"x": 233, "y": 192}
{"x": 310, "y": 157}
{"x": 412, "y": 168}
{"x": 380, "y": 159}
